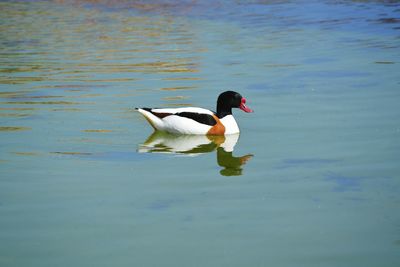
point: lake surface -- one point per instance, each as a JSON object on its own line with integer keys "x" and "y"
{"x": 312, "y": 180}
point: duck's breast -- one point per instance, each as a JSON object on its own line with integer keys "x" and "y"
{"x": 230, "y": 124}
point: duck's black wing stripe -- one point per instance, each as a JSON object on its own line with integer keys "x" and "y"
{"x": 157, "y": 114}
{"x": 200, "y": 118}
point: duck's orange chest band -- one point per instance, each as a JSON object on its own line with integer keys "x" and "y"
{"x": 218, "y": 128}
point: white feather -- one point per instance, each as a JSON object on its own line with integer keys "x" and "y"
{"x": 156, "y": 122}
{"x": 177, "y": 124}
{"x": 182, "y": 125}
{"x": 230, "y": 124}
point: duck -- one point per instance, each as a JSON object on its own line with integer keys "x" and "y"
{"x": 196, "y": 120}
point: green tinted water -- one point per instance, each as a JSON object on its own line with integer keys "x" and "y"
{"x": 312, "y": 180}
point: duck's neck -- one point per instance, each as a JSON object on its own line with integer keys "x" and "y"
{"x": 223, "y": 111}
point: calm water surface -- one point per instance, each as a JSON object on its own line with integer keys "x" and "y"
{"x": 312, "y": 180}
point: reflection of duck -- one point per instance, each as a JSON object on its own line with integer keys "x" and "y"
{"x": 200, "y": 121}
{"x": 192, "y": 145}
{"x": 231, "y": 164}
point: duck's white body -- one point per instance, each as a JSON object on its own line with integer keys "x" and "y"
{"x": 198, "y": 121}
{"x": 174, "y": 123}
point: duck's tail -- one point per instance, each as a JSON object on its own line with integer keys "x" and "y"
{"x": 154, "y": 121}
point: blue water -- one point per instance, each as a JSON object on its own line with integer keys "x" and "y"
{"x": 312, "y": 180}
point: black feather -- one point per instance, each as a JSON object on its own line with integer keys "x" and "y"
{"x": 199, "y": 117}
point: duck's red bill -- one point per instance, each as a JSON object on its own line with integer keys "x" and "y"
{"x": 244, "y": 107}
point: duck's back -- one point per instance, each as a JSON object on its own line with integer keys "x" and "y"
{"x": 185, "y": 120}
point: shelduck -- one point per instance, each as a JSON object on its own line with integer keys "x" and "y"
{"x": 198, "y": 121}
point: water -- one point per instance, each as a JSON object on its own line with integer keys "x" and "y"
{"x": 312, "y": 180}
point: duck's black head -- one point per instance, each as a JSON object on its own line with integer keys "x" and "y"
{"x": 228, "y": 100}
